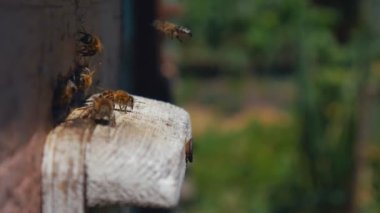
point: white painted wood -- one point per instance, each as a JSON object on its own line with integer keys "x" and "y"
{"x": 63, "y": 170}
{"x": 139, "y": 162}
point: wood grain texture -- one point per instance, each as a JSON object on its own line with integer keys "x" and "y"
{"x": 139, "y": 162}
{"x": 63, "y": 169}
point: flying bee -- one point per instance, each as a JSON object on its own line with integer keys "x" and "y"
{"x": 101, "y": 111}
{"x": 88, "y": 44}
{"x": 189, "y": 151}
{"x": 172, "y": 30}
{"x": 120, "y": 97}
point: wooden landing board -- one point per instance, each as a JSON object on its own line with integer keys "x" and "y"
{"x": 140, "y": 161}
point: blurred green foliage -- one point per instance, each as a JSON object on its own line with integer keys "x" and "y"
{"x": 311, "y": 164}
{"x": 234, "y": 177}
{"x": 259, "y": 36}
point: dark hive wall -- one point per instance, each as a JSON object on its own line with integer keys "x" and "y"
{"x": 37, "y": 40}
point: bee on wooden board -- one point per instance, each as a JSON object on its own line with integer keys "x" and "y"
{"x": 120, "y": 97}
{"x": 101, "y": 111}
{"x": 172, "y": 30}
{"x": 88, "y": 44}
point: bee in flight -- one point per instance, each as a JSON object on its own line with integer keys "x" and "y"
{"x": 120, "y": 97}
{"x": 172, "y": 30}
{"x": 88, "y": 44}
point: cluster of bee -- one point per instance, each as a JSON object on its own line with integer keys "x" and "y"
{"x": 73, "y": 90}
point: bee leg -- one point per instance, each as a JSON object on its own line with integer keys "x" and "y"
{"x": 174, "y": 34}
{"x": 130, "y": 102}
{"x": 113, "y": 121}
{"x": 120, "y": 107}
{"x": 179, "y": 38}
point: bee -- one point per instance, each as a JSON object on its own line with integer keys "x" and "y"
{"x": 101, "y": 111}
{"x": 123, "y": 99}
{"x": 189, "y": 151}
{"x": 67, "y": 93}
{"x": 88, "y": 44}
{"x": 120, "y": 97}
{"x": 85, "y": 79}
{"x": 63, "y": 95}
{"x": 172, "y": 30}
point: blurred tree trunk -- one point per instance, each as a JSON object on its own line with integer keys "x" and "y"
{"x": 345, "y": 187}
{"x": 348, "y": 11}
{"x": 366, "y": 110}
{"x": 329, "y": 160}
{"x": 365, "y": 113}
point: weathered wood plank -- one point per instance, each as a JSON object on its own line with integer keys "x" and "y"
{"x": 140, "y": 161}
{"x": 63, "y": 169}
